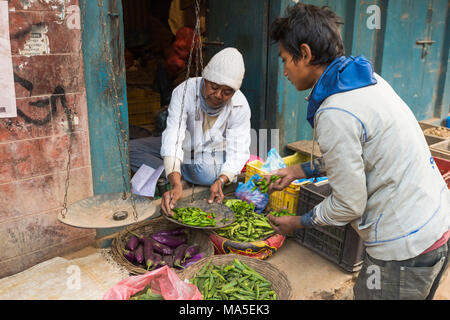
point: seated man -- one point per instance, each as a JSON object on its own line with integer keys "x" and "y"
{"x": 207, "y": 138}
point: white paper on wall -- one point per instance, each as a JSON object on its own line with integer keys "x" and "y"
{"x": 8, "y": 107}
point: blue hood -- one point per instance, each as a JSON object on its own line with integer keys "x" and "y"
{"x": 343, "y": 74}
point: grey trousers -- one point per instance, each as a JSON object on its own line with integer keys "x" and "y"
{"x": 413, "y": 279}
{"x": 145, "y": 151}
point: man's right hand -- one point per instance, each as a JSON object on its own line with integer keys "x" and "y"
{"x": 170, "y": 198}
{"x": 287, "y": 175}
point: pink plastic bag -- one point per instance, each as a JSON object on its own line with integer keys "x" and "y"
{"x": 162, "y": 281}
{"x": 252, "y": 158}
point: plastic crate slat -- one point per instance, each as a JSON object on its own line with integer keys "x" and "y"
{"x": 328, "y": 241}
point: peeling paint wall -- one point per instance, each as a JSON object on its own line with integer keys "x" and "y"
{"x": 51, "y": 102}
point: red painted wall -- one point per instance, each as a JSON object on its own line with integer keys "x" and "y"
{"x": 49, "y": 85}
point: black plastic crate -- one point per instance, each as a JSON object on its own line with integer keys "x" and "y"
{"x": 341, "y": 245}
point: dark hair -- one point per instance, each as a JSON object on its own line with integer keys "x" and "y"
{"x": 318, "y": 27}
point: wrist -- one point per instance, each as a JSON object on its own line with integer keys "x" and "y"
{"x": 222, "y": 181}
{"x": 174, "y": 179}
{"x": 298, "y": 172}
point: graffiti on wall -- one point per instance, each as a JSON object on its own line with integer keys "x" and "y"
{"x": 58, "y": 94}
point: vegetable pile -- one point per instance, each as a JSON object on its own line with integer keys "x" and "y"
{"x": 235, "y": 281}
{"x": 263, "y": 185}
{"x": 439, "y": 131}
{"x": 146, "y": 294}
{"x": 195, "y": 217}
{"x": 166, "y": 247}
{"x": 249, "y": 226}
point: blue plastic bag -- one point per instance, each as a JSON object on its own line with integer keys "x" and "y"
{"x": 274, "y": 161}
{"x": 244, "y": 192}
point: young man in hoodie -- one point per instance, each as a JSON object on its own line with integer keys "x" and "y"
{"x": 383, "y": 178}
{"x": 207, "y": 138}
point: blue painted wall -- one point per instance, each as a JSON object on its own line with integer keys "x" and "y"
{"x": 422, "y": 82}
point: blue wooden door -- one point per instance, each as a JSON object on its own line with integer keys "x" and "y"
{"x": 243, "y": 25}
{"x": 415, "y": 54}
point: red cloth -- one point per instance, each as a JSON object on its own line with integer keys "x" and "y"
{"x": 439, "y": 243}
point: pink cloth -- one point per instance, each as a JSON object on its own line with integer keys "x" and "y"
{"x": 252, "y": 158}
{"x": 439, "y": 243}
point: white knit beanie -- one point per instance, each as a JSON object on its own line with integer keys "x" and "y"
{"x": 226, "y": 67}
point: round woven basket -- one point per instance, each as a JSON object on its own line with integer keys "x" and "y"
{"x": 149, "y": 227}
{"x": 278, "y": 278}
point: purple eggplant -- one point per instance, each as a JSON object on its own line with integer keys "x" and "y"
{"x": 178, "y": 255}
{"x": 168, "y": 260}
{"x": 191, "y": 251}
{"x": 139, "y": 254}
{"x": 132, "y": 243}
{"x": 173, "y": 232}
{"x": 159, "y": 247}
{"x": 157, "y": 261}
{"x": 192, "y": 260}
{"x": 129, "y": 255}
{"x": 171, "y": 241}
{"x": 149, "y": 256}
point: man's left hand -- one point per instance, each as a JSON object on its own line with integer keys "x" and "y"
{"x": 216, "y": 193}
{"x": 285, "y": 225}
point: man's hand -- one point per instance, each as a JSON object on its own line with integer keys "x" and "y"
{"x": 287, "y": 175}
{"x": 170, "y": 198}
{"x": 215, "y": 191}
{"x": 285, "y": 225}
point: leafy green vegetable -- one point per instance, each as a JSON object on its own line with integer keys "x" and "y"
{"x": 146, "y": 294}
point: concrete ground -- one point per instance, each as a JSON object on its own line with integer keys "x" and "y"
{"x": 311, "y": 276}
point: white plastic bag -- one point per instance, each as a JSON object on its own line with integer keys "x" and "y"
{"x": 274, "y": 161}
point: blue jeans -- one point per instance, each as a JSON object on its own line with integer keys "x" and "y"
{"x": 147, "y": 151}
{"x": 203, "y": 171}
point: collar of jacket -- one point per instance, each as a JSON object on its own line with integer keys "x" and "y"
{"x": 343, "y": 74}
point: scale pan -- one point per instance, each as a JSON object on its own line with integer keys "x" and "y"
{"x": 108, "y": 210}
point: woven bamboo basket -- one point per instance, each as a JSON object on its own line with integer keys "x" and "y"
{"x": 278, "y": 278}
{"x": 148, "y": 227}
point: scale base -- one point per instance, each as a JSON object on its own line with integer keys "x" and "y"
{"x": 108, "y": 210}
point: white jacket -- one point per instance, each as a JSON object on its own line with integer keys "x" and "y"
{"x": 230, "y": 134}
{"x": 381, "y": 172}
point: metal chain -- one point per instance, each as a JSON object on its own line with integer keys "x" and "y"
{"x": 120, "y": 133}
{"x": 199, "y": 58}
{"x": 197, "y": 32}
{"x": 71, "y": 135}
{"x": 117, "y": 122}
